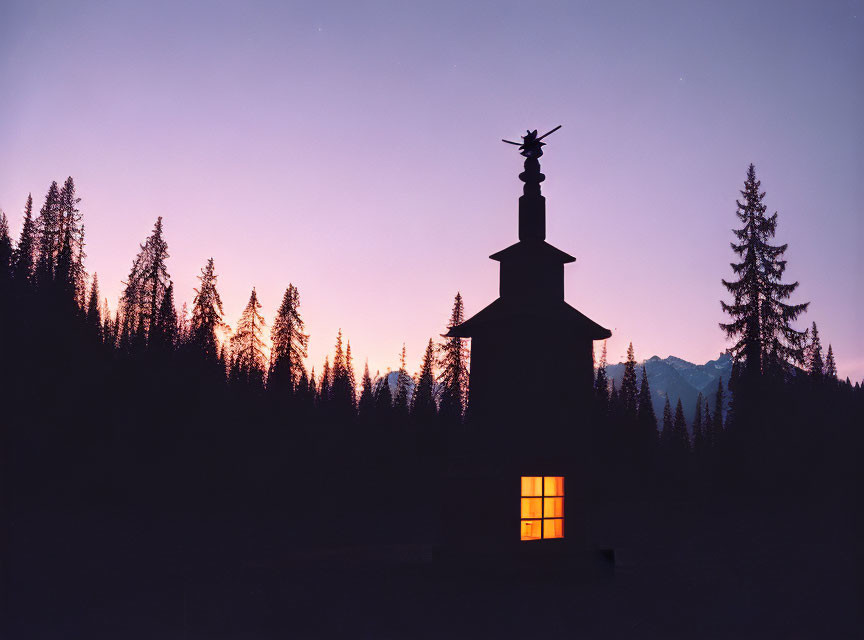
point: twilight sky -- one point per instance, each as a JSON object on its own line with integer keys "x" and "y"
{"x": 354, "y": 149}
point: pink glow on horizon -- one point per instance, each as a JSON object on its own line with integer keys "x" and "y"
{"x": 355, "y": 151}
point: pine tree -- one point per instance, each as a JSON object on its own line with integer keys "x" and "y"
{"x": 679, "y": 429}
{"x": 400, "y": 402}
{"x": 601, "y": 384}
{"x": 5, "y": 252}
{"x": 454, "y": 368}
{"x": 146, "y": 285}
{"x": 830, "y": 365}
{"x": 72, "y": 230}
{"x": 628, "y": 395}
{"x": 289, "y": 345}
{"x": 699, "y": 439}
{"x": 366, "y": 404}
{"x": 342, "y": 392}
{"x": 816, "y": 365}
{"x": 646, "y": 416}
{"x": 325, "y": 385}
{"x": 48, "y": 230}
{"x": 423, "y": 405}
{"x": 24, "y": 257}
{"x": 163, "y": 336}
{"x": 760, "y": 319}
{"x": 667, "y": 435}
{"x": 206, "y": 315}
{"x": 94, "y": 319}
{"x": 248, "y": 350}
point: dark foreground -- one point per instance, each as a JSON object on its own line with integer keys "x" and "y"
{"x": 778, "y": 570}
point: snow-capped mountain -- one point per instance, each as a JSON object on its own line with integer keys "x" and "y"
{"x": 675, "y": 378}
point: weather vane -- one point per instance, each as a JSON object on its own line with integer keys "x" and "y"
{"x": 531, "y": 146}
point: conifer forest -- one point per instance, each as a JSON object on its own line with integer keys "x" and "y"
{"x": 152, "y": 454}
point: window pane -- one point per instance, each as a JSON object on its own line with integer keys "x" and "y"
{"x": 553, "y": 528}
{"x": 532, "y": 486}
{"x": 552, "y": 507}
{"x": 553, "y": 486}
{"x": 531, "y": 507}
{"x": 531, "y": 529}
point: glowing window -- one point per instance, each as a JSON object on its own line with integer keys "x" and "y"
{"x": 542, "y": 514}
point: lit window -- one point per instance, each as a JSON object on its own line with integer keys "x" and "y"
{"x": 542, "y": 507}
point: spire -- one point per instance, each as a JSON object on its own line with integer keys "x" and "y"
{"x": 532, "y": 204}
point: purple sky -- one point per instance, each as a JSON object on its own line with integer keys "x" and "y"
{"x": 354, "y": 150}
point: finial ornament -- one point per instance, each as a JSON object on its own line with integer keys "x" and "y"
{"x": 531, "y": 146}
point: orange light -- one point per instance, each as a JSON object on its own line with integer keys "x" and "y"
{"x": 542, "y": 513}
{"x": 532, "y": 507}
{"x": 531, "y": 529}
{"x": 553, "y": 486}
{"x": 553, "y": 528}
{"x": 553, "y": 507}
{"x": 532, "y": 486}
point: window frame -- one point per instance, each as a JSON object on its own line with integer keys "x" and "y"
{"x": 543, "y": 518}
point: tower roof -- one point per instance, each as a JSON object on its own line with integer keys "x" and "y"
{"x": 534, "y": 317}
{"x": 533, "y": 249}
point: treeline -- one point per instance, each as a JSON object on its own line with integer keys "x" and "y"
{"x": 151, "y": 405}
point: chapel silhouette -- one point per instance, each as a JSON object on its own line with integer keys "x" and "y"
{"x": 529, "y": 408}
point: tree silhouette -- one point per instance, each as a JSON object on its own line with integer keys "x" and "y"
{"x": 24, "y": 256}
{"x": 94, "y": 316}
{"x": 454, "y": 368}
{"x": 5, "y": 252}
{"x": 628, "y": 394}
{"x": 646, "y": 418}
{"x": 248, "y": 350}
{"x": 601, "y": 384}
{"x": 289, "y": 345}
{"x": 760, "y": 319}
{"x": 400, "y": 401}
{"x": 830, "y": 365}
{"x": 423, "y": 404}
{"x": 816, "y": 366}
{"x": 206, "y": 315}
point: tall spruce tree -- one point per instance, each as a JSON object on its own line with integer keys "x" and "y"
{"x": 25, "y": 254}
{"x": 94, "y": 316}
{"x": 163, "y": 335}
{"x": 816, "y": 366}
{"x": 342, "y": 391}
{"x": 206, "y": 315}
{"x": 71, "y": 230}
{"x": 423, "y": 404}
{"x": 601, "y": 383}
{"x": 366, "y": 403}
{"x": 48, "y": 229}
{"x": 5, "y": 252}
{"x": 289, "y": 345}
{"x": 830, "y": 365}
{"x": 145, "y": 287}
{"x": 400, "y": 401}
{"x": 680, "y": 437}
{"x": 248, "y": 349}
{"x": 646, "y": 416}
{"x": 454, "y": 368}
{"x": 761, "y": 320}
{"x": 667, "y": 435}
{"x": 628, "y": 395}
